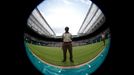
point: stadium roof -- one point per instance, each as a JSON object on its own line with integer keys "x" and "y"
{"x": 92, "y": 18}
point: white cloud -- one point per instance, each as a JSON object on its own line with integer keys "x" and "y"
{"x": 67, "y": 1}
{"x": 85, "y": 1}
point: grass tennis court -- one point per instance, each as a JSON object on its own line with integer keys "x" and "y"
{"x": 54, "y": 55}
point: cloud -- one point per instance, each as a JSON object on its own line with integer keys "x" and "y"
{"x": 72, "y": 1}
{"x": 85, "y": 1}
{"x": 67, "y": 1}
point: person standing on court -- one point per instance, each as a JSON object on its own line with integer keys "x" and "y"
{"x": 67, "y": 44}
{"x": 103, "y": 37}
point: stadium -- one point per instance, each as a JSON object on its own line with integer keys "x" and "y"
{"x": 43, "y": 42}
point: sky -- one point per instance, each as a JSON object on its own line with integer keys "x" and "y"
{"x": 62, "y": 13}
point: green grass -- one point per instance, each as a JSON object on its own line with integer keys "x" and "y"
{"x": 54, "y": 55}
